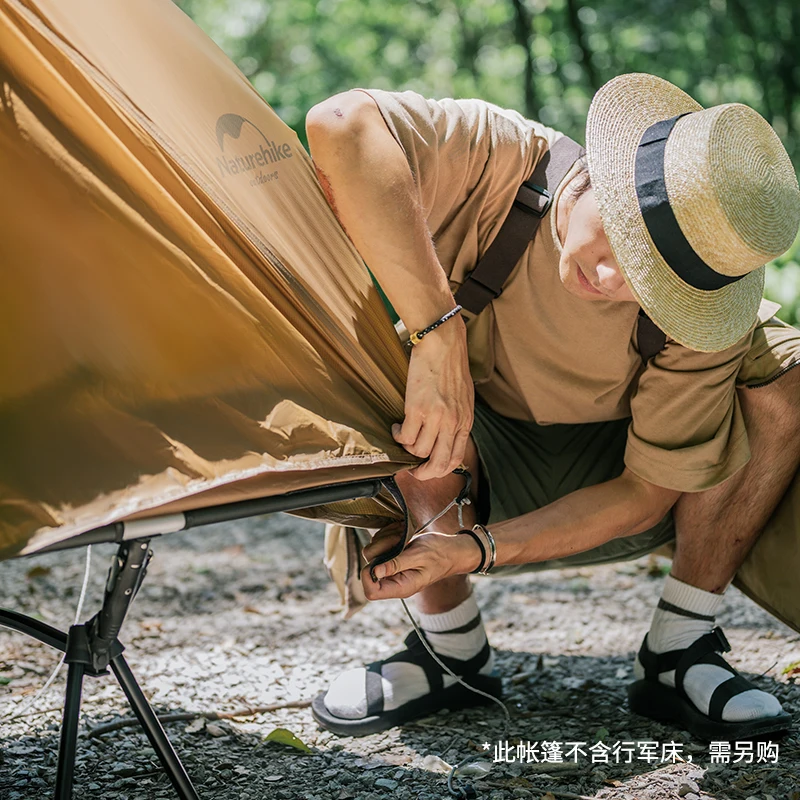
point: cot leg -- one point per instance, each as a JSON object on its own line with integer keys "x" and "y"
{"x": 152, "y": 727}
{"x": 69, "y": 732}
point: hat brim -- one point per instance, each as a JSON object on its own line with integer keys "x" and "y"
{"x": 620, "y": 113}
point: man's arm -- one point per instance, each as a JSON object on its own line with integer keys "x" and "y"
{"x": 370, "y": 188}
{"x": 580, "y": 521}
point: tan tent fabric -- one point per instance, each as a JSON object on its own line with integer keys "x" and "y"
{"x": 184, "y": 321}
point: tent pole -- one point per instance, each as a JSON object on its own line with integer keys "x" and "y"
{"x": 172, "y": 523}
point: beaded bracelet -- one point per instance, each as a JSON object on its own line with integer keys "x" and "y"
{"x": 416, "y": 337}
{"x": 480, "y": 545}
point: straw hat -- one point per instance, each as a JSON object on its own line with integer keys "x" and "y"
{"x": 694, "y": 202}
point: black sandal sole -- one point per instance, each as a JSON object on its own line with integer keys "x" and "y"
{"x": 455, "y": 697}
{"x": 663, "y": 704}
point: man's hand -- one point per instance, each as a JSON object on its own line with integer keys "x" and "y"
{"x": 439, "y": 401}
{"x": 370, "y": 187}
{"x": 429, "y": 558}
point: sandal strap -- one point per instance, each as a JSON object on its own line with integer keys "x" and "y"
{"x": 415, "y": 652}
{"x": 654, "y": 663}
{"x": 374, "y": 689}
{"x": 724, "y": 692}
{"x": 703, "y": 651}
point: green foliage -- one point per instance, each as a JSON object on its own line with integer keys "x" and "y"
{"x": 544, "y": 57}
{"x": 286, "y": 737}
{"x": 783, "y": 283}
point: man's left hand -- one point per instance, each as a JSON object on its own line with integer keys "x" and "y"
{"x": 429, "y": 558}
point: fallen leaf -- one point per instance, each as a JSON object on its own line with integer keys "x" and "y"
{"x": 792, "y": 670}
{"x": 37, "y": 572}
{"x": 600, "y": 734}
{"x": 195, "y": 726}
{"x": 435, "y": 764}
{"x": 215, "y": 730}
{"x": 283, "y": 736}
{"x": 396, "y": 759}
{"x": 476, "y": 769}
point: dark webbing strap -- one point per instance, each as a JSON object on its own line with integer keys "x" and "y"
{"x": 374, "y": 689}
{"x": 736, "y": 684}
{"x": 652, "y": 340}
{"x": 485, "y": 282}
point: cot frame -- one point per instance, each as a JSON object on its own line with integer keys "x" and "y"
{"x": 93, "y": 646}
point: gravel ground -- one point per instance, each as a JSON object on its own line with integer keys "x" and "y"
{"x": 242, "y": 615}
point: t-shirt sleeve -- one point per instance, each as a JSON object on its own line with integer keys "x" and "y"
{"x": 468, "y": 158}
{"x": 687, "y": 431}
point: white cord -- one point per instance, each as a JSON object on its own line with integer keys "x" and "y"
{"x": 78, "y": 611}
{"x": 507, "y": 717}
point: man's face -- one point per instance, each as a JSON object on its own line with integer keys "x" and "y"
{"x": 588, "y": 268}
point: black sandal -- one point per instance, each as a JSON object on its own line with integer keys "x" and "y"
{"x": 655, "y": 700}
{"x": 453, "y": 697}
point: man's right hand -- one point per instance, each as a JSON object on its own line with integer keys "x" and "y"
{"x": 369, "y": 184}
{"x": 439, "y": 403}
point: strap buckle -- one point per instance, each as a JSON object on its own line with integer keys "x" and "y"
{"x": 722, "y": 639}
{"x": 533, "y": 199}
{"x": 490, "y": 290}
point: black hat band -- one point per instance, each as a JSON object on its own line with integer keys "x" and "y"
{"x": 659, "y": 217}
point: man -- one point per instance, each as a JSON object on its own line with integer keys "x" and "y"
{"x": 581, "y": 452}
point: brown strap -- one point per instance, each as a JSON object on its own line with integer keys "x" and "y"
{"x": 485, "y": 282}
{"x": 651, "y": 339}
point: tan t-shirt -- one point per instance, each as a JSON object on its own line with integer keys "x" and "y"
{"x": 555, "y": 358}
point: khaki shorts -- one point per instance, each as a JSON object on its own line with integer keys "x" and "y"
{"x": 527, "y": 466}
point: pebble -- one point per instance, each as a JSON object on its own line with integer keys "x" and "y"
{"x": 386, "y": 783}
{"x": 123, "y": 770}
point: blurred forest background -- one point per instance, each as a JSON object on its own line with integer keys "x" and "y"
{"x": 543, "y": 57}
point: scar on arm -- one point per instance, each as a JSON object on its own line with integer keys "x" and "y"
{"x": 328, "y": 192}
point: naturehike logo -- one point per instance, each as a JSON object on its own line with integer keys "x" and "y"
{"x": 267, "y": 153}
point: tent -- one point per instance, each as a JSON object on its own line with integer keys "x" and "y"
{"x": 184, "y": 321}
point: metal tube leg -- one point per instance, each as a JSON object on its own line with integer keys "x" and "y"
{"x": 152, "y": 727}
{"x": 69, "y": 732}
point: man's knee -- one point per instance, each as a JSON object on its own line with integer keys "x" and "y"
{"x": 427, "y": 497}
{"x": 775, "y": 406}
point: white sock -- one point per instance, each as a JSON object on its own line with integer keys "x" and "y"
{"x": 402, "y": 682}
{"x": 683, "y": 615}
